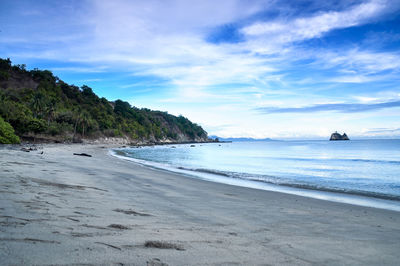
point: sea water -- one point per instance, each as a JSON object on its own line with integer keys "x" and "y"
{"x": 364, "y": 172}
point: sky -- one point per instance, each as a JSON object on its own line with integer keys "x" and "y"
{"x": 239, "y": 68}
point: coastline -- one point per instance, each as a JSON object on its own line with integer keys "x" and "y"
{"x": 48, "y": 140}
{"x": 354, "y": 197}
{"x": 103, "y": 210}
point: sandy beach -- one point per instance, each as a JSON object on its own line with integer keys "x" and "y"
{"x": 57, "y": 208}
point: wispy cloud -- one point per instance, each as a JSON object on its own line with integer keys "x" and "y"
{"x": 361, "y": 61}
{"x": 335, "y": 107}
{"x": 91, "y": 80}
{"x": 303, "y": 28}
{"x": 77, "y": 69}
{"x": 383, "y": 130}
{"x": 181, "y": 55}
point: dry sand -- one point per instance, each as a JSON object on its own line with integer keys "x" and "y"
{"x": 57, "y": 208}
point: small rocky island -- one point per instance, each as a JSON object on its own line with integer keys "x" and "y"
{"x": 337, "y": 136}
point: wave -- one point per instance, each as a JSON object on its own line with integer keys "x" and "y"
{"x": 210, "y": 174}
{"x": 340, "y": 159}
{"x": 274, "y": 180}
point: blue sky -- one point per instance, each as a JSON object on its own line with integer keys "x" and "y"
{"x": 239, "y": 68}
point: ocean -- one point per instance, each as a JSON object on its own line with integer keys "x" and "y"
{"x": 361, "y": 172}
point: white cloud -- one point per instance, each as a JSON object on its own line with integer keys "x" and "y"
{"x": 366, "y": 99}
{"x": 364, "y": 61}
{"x": 314, "y": 26}
{"x": 98, "y": 69}
{"x": 379, "y": 97}
{"x": 91, "y": 80}
{"x": 352, "y": 79}
{"x": 167, "y": 39}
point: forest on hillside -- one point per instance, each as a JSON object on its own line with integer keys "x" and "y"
{"x": 36, "y": 104}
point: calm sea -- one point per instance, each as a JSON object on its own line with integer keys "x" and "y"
{"x": 364, "y": 172}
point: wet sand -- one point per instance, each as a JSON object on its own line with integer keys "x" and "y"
{"x": 57, "y": 208}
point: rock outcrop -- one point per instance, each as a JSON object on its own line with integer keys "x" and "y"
{"x": 337, "y": 136}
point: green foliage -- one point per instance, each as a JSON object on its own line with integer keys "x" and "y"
{"x": 7, "y": 135}
{"x": 5, "y": 65}
{"x": 88, "y": 92}
{"x": 4, "y": 75}
{"x": 56, "y": 108}
{"x": 37, "y": 125}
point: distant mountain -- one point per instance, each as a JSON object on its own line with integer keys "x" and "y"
{"x": 40, "y": 106}
{"x": 239, "y": 139}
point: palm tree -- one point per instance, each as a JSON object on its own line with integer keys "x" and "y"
{"x": 37, "y": 104}
{"x": 50, "y": 110}
{"x": 84, "y": 121}
{"x": 4, "y": 106}
{"x": 77, "y": 119}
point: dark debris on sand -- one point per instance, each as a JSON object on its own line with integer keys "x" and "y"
{"x": 132, "y": 212}
{"x": 118, "y": 226}
{"x": 162, "y": 245}
{"x": 156, "y": 262}
{"x": 83, "y": 154}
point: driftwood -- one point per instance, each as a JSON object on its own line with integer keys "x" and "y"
{"x": 83, "y": 154}
{"x": 28, "y": 149}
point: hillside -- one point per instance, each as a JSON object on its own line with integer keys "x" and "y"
{"x": 40, "y": 106}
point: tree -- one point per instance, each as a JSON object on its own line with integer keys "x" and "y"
{"x": 77, "y": 117}
{"x": 7, "y": 135}
{"x": 84, "y": 118}
{"x": 87, "y": 91}
{"x": 36, "y": 125}
{"x": 38, "y": 104}
{"x": 5, "y": 64}
{"x": 50, "y": 111}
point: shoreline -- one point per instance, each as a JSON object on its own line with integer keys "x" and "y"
{"x": 46, "y": 140}
{"x": 103, "y": 210}
{"x": 365, "y": 199}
